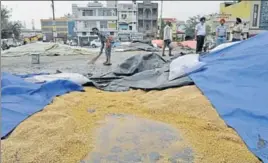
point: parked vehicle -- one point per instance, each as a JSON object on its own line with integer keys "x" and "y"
{"x": 95, "y": 43}
{"x": 4, "y": 45}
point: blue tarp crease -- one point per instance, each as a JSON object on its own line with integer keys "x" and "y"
{"x": 21, "y": 99}
{"x": 236, "y": 83}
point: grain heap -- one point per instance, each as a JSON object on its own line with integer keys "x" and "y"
{"x": 63, "y": 131}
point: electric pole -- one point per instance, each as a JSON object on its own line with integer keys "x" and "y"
{"x": 161, "y": 20}
{"x": 54, "y": 23}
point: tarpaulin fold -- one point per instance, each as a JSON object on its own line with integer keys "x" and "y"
{"x": 236, "y": 83}
{"x": 144, "y": 71}
{"x": 21, "y": 99}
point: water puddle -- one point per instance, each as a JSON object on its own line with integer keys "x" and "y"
{"x": 129, "y": 139}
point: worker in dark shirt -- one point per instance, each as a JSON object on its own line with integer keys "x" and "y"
{"x": 102, "y": 38}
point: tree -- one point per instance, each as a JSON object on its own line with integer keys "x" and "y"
{"x": 9, "y": 28}
{"x": 5, "y": 15}
{"x": 192, "y": 22}
{"x": 190, "y": 25}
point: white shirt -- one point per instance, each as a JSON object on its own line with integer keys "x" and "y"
{"x": 201, "y": 29}
{"x": 237, "y": 31}
{"x": 167, "y": 33}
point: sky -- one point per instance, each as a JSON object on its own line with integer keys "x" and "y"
{"x": 26, "y": 11}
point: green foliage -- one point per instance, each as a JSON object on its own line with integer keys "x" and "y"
{"x": 191, "y": 23}
{"x": 9, "y": 28}
{"x": 162, "y": 26}
{"x": 208, "y": 29}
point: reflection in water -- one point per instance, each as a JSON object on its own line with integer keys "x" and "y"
{"x": 125, "y": 139}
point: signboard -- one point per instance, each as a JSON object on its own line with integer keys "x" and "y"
{"x": 55, "y": 34}
{"x": 223, "y": 16}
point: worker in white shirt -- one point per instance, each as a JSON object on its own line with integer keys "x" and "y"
{"x": 237, "y": 30}
{"x": 167, "y": 38}
{"x": 200, "y": 34}
{"x": 221, "y": 32}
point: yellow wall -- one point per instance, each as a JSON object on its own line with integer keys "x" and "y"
{"x": 241, "y": 10}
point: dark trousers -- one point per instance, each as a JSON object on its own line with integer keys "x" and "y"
{"x": 166, "y": 44}
{"x": 235, "y": 40}
{"x": 101, "y": 48}
{"x": 199, "y": 43}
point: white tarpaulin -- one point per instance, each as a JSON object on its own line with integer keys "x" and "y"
{"x": 47, "y": 49}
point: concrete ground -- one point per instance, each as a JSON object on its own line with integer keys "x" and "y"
{"x": 74, "y": 64}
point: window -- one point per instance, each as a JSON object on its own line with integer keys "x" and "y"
{"x": 86, "y": 24}
{"x": 87, "y": 13}
{"x": 103, "y": 24}
{"x": 46, "y": 23}
{"x": 255, "y": 15}
{"x": 89, "y": 24}
{"x": 147, "y": 27}
{"x": 130, "y": 28}
{"x": 46, "y": 29}
{"x": 61, "y": 29}
{"x": 106, "y": 12}
{"x": 61, "y": 23}
{"x": 123, "y": 16}
{"x": 84, "y": 33}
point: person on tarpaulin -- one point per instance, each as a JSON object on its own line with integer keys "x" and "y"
{"x": 106, "y": 41}
{"x": 200, "y": 34}
{"x": 167, "y": 37}
{"x": 237, "y": 30}
{"x": 221, "y": 33}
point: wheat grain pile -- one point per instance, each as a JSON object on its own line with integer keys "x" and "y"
{"x": 64, "y": 130}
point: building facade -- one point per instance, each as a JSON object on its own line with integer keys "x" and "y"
{"x": 94, "y": 15}
{"x": 127, "y": 17}
{"x": 254, "y": 13}
{"x": 59, "y": 26}
{"x": 263, "y": 15}
{"x": 148, "y": 18}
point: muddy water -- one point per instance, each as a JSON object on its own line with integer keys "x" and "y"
{"x": 129, "y": 139}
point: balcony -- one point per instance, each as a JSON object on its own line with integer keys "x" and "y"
{"x": 81, "y": 18}
{"x": 143, "y": 17}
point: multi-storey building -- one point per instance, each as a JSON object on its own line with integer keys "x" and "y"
{"x": 254, "y": 13}
{"x": 94, "y": 15}
{"x": 59, "y": 26}
{"x": 147, "y": 18}
{"x": 127, "y": 21}
{"x": 127, "y": 17}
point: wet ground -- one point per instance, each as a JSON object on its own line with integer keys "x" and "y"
{"x": 129, "y": 139}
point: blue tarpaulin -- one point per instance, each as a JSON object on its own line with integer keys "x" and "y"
{"x": 236, "y": 83}
{"x": 21, "y": 99}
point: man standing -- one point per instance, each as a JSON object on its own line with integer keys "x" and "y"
{"x": 221, "y": 32}
{"x": 237, "y": 30}
{"x": 167, "y": 38}
{"x": 103, "y": 39}
{"x": 200, "y": 34}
